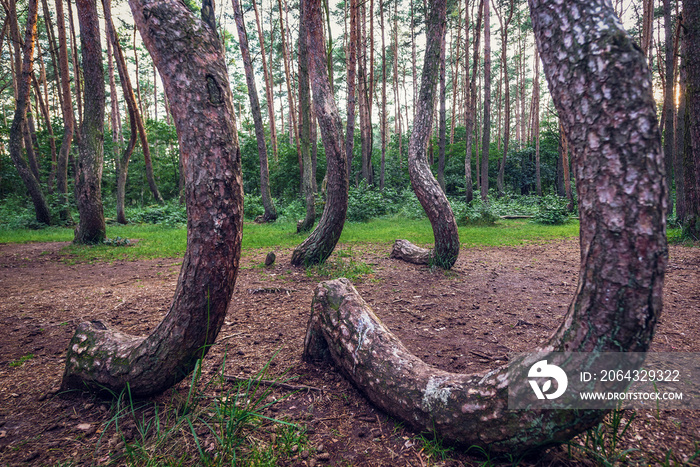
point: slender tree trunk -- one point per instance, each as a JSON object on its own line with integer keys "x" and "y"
{"x": 305, "y": 129}
{"x": 442, "y": 126}
{"x": 455, "y": 71}
{"x": 506, "y": 87}
{"x": 44, "y": 107}
{"x": 269, "y": 86}
{"x": 691, "y": 147}
{"x": 91, "y": 228}
{"x": 270, "y": 212}
{"x": 486, "y": 141}
{"x": 68, "y": 116}
{"x": 16, "y": 134}
{"x": 351, "y": 84}
{"x": 470, "y": 111}
{"x": 678, "y": 152}
{"x": 536, "y": 125}
{"x": 624, "y": 255}
{"x": 77, "y": 78}
{"x": 414, "y": 68}
{"x": 399, "y": 126}
{"x": 200, "y": 98}
{"x": 365, "y": 98}
{"x": 669, "y": 105}
{"x": 427, "y": 189}
{"x": 383, "y": 126}
{"x": 290, "y": 94}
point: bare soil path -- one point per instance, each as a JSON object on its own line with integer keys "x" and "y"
{"x": 495, "y": 301}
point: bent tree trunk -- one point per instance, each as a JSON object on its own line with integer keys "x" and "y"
{"x": 623, "y": 251}
{"x": 320, "y": 244}
{"x": 200, "y": 98}
{"x": 270, "y": 214}
{"x": 88, "y": 178}
{"x": 16, "y": 131}
{"x": 427, "y": 189}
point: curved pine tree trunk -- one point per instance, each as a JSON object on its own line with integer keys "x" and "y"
{"x": 622, "y": 190}
{"x": 320, "y": 244}
{"x": 200, "y": 100}
{"x": 16, "y": 131}
{"x": 427, "y": 189}
{"x": 88, "y": 179}
{"x": 270, "y": 214}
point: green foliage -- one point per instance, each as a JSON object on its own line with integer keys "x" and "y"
{"x": 365, "y": 203}
{"x": 602, "y": 443}
{"x": 552, "y": 211}
{"x": 477, "y": 213}
{"x": 171, "y": 214}
{"x": 252, "y": 206}
{"x": 117, "y": 241}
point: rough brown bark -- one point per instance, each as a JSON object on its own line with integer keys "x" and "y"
{"x": 270, "y": 214}
{"x": 382, "y": 118}
{"x": 364, "y": 93}
{"x": 67, "y": 112}
{"x": 679, "y": 137}
{"x": 668, "y": 114}
{"x": 442, "y": 124}
{"x": 536, "y": 123}
{"x": 88, "y": 180}
{"x": 427, "y": 189}
{"x": 623, "y": 253}
{"x": 407, "y": 251}
{"x": 320, "y": 244}
{"x": 691, "y": 150}
{"x": 16, "y": 130}
{"x": 200, "y": 99}
{"x": 305, "y": 131}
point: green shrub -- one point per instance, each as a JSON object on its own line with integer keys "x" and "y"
{"x": 171, "y": 214}
{"x": 477, "y": 213}
{"x": 364, "y": 203}
{"x": 552, "y": 211}
{"x": 252, "y": 206}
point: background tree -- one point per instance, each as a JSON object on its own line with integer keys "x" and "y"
{"x": 427, "y": 189}
{"x": 305, "y": 131}
{"x": 88, "y": 179}
{"x": 270, "y": 214}
{"x": 691, "y": 149}
{"x": 200, "y": 99}
{"x": 41, "y": 208}
{"x": 320, "y": 244}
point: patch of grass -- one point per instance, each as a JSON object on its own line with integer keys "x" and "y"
{"x": 341, "y": 264}
{"x": 602, "y": 443}
{"x": 433, "y": 448}
{"x": 21, "y": 360}
{"x": 229, "y": 428}
{"x": 148, "y": 241}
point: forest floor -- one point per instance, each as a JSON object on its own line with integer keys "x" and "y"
{"x": 495, "y": 301}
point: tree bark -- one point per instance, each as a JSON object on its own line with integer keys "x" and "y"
{"x": 122, "y": 160}
{"x": 16, "y": 130}
{"x": 67, "y": 112}
{"x": 407, "y": 251}
{"x": 270, "y": 214}
{"x": 364, "y": 93}
{"x": 427, "y": 189}
{"x": 470, "y": 111}
{"x": 200, "y": 98}
{"x": 536, "y": 123}
{"x": 691, "y": 156}
{"x": 88, "y": 184}
{"x": 382, "y": 122}
{"x": 351, "y": 84}
{"x": 486, "y": 140}
{"x": 305, "y": 131}
{"x": 623, "y": 246}
{"x": 669, "y": 105}
{"x": 442, "y": 124}
{"x": 320, "y": 244}
{"x": 268, "y": 84}
{"x": 506, "y": 92}
{"x": 679, "y": 140}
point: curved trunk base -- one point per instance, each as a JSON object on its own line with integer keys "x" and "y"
{"x": 407, "y": 251}
{"x": 463, "y": 410}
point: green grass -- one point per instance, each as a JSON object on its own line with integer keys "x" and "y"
{"x": 154, "y": 241}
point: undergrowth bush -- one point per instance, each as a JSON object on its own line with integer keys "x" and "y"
{"x": 477, "y": 213}
{"x": 171, "y": 214}
{"x": 551, "y": 211}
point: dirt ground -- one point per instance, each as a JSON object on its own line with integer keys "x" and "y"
{"x": 495, "y": 301}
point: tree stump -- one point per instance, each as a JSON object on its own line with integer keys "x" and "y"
{"x": 407, "y": 251}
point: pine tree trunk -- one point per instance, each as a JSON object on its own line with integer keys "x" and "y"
{"x": 623, "y": 245}
{"x": 122, "y": 160}
{"x": 678, "y": 152}
{"x": 320, "y": 244}
{"x": 427, "y": 189}
{"x": 67, "y": 112}
{"x": 691, "y": 150}
{"x": 383, "y": 125}
{"x": 442, "y": 125}
{"x": 506, "y": 86}
{"x": 200, "y": 99}
{"x": 88, "y": 185}
{"x": 351, "y": 84}
{"x": 486, "y": 140}
{"x": 669, "y": 107}
{"x": 536, "y": 125}
{"x": 16, "y": 130}
{"x": 470, "y": 111}
{"x": 270, "y": 214}
{"x": 77, "y": 78}
{"x": 268, "y": 84}
{"x": 305, "y": 130}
